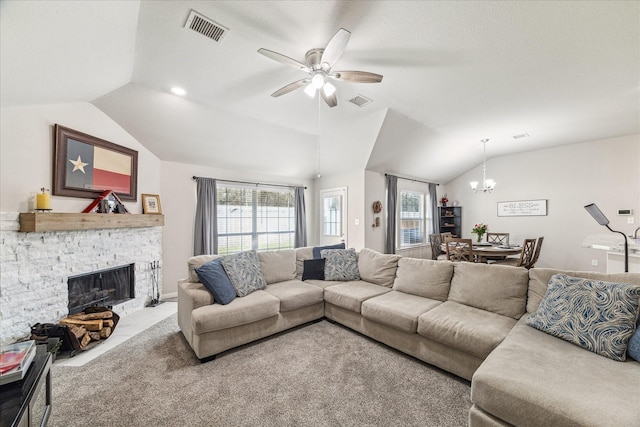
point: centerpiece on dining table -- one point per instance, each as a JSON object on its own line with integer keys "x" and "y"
{"x": 479, "y": 230}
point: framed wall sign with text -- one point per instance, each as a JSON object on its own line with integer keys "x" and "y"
{"x": 523, "y": 208}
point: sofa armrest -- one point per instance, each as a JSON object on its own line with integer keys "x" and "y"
{"x": 190, "y": 296}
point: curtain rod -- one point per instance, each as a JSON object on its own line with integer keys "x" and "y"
{"x": 411, "y": 179}
{"x": 251, "y": 183}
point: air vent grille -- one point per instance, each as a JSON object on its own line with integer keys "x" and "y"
{"x": 205, "y": 26}
{"x": 522, "y": 135}
{"x": 360, "y": 100}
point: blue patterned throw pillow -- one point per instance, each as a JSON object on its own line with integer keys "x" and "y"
{"x": 340, "y": 264}
{"x": 634, "y": 344}
{"x": 244, "y": 272}
{"x": 598, "y": 316}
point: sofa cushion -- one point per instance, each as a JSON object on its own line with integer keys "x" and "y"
{"x": 294, "y": 294}
{"x": 377, "y": 268}
{"x": 424, "y": 277}
{"x": 244, "y": 272}
{"x": 213, "y": 276}
{"x": 497, "y": 288}
{"x": 313, "y": 269}
{"x": 535, "y": 379}
{"x": 397, "y": 309}
{"x": 351, "y": 295}
{"x": 340, "y": 264}
{"x": 323, "y": 283}
{"x": 598, "y": 316}
{"x": 198, "y": 261}
{"x": 277, "y": 266}
{"x": 539, "y": 279}
{"x": 465, "y": 328}
{"x": 241, "y": 311}
{"x": 317, "y": 251}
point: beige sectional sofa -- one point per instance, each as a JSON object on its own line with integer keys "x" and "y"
{"x": 465, "y": 318}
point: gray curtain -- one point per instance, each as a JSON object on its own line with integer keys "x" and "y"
{"x": 392, "y": 200}
{"x": 433, "y": 198}
{"x": 301, "y": 219}
{"x": 205, "y": 234}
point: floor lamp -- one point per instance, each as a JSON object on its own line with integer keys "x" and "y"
{"x": 597, "y": 214}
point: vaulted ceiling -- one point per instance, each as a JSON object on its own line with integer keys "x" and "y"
{"x": 454, "y": 73}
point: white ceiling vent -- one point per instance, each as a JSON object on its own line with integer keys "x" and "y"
{"x": 205, "y": 26}
{"x": 360, "y": 100}
{"x": 522, "y": 135}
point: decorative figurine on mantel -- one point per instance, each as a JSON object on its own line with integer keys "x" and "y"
{"x": 43, "y": 201}
{"x": 107, "y": 202}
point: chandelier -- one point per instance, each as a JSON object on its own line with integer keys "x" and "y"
{"x": 487, "y": 184}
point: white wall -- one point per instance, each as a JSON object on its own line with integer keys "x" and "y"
{"x": 375, "y": 189}
{"x": 178, "y": 199}
{"x": 606, "y": 172}
{"x": 26, "y": 154}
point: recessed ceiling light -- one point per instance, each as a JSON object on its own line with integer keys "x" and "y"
{"x": 178, "y": 91}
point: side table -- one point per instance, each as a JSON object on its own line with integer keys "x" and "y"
{"x": 26, "y": 403}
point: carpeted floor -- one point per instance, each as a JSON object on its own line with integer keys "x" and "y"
{"x": 321, "y": 374}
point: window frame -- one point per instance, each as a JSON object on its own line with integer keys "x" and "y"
{"x": 426, "y": 224}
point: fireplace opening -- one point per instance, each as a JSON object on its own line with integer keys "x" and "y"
{"x": 103, "y": 288}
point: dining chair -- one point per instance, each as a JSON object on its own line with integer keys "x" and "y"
{"x": 436, "y": 246}
{"x": 501, "y": 238}
{"x": 536, "y": 253}
{"x": 459, "y": 249}
{"x": 528, "y": 249}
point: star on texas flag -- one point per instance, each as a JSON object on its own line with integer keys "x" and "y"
{"x": 96, "y": 168}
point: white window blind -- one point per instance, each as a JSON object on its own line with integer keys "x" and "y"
{"x": 415, "y": 218}
{"x": 258, "y": 218}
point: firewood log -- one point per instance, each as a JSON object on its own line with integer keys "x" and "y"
{"x": 92, "y": 316}
{"x": 78, "y": 331}
{"x": 95, "y": 336}
{"x": 107, "y": 323}
{"x": 86, "y": 339}
{"x": 90, "y": 325}
{"x": 105, "y": 332}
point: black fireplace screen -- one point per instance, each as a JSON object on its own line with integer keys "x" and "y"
{"x": 103, "y": 288}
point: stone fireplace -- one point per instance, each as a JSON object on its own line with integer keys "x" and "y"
{"x": 35, "y": 268}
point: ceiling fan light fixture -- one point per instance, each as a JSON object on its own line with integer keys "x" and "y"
{"x": 317, "y": 81}
{"x": 310, "y": 90}
{"x": 329, "y": 89}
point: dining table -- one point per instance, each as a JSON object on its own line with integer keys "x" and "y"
{"x": 483, "y": 250}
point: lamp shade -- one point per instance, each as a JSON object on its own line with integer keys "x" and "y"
{"x": 597, "y": 214}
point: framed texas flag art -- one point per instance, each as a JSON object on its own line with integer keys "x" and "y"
{"x": 85, "y": 166}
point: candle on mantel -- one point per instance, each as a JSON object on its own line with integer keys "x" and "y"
{"x": 43, "y": 200}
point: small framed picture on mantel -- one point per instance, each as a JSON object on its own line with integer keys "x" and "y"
{"x": 151, "y": 204}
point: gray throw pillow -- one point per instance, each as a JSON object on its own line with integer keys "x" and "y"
{"x": 244, "y": 272}
{"x": 340, "y": 264}
{"x": 597, "y": 316}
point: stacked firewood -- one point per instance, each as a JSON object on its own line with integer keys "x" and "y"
{"x": 88, "y": 327}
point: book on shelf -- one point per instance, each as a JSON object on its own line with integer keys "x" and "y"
{"x": 15, "y": 360}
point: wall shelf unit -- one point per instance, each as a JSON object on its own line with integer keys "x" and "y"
{"x": 451, "y": 220}
{"x": 43, "y": 221}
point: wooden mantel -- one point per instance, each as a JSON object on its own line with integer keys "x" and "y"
{"x": 40, "y": 221}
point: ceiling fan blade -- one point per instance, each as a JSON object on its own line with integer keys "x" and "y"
{"x": 290, "y": 87}
{"x": 335, "y": 48}
{"x": 331, "y": 101}
{"x": 357, "y": 76}
{"x": 284, "y": 60}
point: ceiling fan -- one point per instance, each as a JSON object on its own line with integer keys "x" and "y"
{"x": 318, "y": 65}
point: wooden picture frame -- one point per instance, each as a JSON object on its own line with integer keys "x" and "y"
{"x": 151, "y": 204}
{"x": 86, "y": 166}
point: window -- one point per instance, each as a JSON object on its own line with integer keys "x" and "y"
{"x": 262, "y": 219}
{"x": 415, "y": 218}
{"x": 332, "y": 216}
